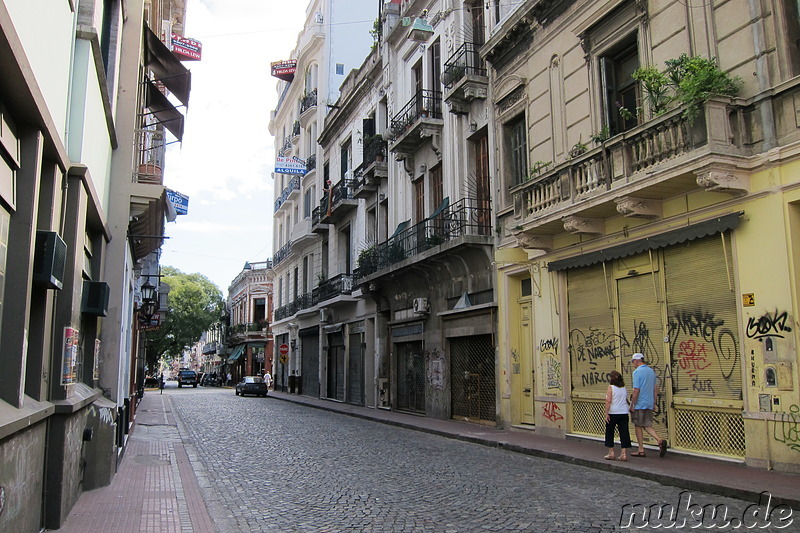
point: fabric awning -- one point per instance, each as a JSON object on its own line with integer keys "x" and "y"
{"x": 445, "y": 205}
{"x": 236, "y": 354}
{"x": 166, "y": 67}
{"x": 400, "y": 228}
{"x": 146, "y": 228}
{"x": 688, "y": 233}
{"x": 166, "y": 113}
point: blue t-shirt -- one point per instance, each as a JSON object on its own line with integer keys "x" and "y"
{"x": 644, "y": 379}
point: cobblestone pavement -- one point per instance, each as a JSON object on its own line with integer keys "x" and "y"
{"x": 269, "y": 465}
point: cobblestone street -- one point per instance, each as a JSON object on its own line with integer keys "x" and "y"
{"x": 270, "y": 465}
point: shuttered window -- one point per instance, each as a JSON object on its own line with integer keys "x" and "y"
{"x": 593, "y": 343}
{"x": 702, "y": 322}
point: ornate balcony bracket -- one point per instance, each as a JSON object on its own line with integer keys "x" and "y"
{"x": 535, "y": 242}
{"x": 723, "y": 180}
{"x": 583, "y": 225}
{"x": 631, "y": 206}
{"x": 408, "y": 162}
{"x": 435, "y": 135}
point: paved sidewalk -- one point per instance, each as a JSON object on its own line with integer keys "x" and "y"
{"x": 155, "y": 489}
{"x": 726, "y": 478}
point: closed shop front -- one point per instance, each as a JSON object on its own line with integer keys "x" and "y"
{"x": 335, "y": 375}
{"x": 676, "y": 304}
{"x": 309, "y": 342}
{"x": 472, "y": 377}
{"x": 410, "y": 376}
{"x": 355, "y": 364}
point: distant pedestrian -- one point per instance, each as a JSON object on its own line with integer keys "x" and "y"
{"x": 617, "y": 416}
{"x": 230, "y": 379}
{"x": 643, "y": 401}
{"x": 161, "y": 382}
{"x": 268, "y": 379}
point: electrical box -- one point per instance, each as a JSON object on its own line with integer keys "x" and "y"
{"x": 94, "y": 300}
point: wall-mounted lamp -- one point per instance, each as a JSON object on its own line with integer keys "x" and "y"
{"x": 473, "y": 126}
{"x": 149, "y": 300}
{"x": 423, "y": 168}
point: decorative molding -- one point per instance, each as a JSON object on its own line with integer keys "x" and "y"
{"x": 724, "y": 180}
{"x": 535, "y": 242}
{"x": 583, "y": 225}
{"x": 631, "y": 206}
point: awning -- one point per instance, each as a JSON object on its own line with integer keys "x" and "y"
{"x": 689, "y": 233}
{"x": 166, "y": 67}
{"x": 445, "y": 205}
{"x": 400, "y": 228}
{"x": 163, "y": 110}
{"x": 146, "y": 228}
{"x": 237, "y": 353}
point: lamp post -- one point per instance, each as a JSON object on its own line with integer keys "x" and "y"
{"x": 146, "y": 312}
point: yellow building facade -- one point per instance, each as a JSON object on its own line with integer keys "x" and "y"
{"x": 628, "y": 224}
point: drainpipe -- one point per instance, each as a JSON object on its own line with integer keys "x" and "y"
{"x": 762, "y": 74}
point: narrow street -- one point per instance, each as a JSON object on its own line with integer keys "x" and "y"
{"x": 271, "y": 465}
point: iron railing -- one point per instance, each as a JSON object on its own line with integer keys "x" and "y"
{"x": 465, "y": 61}
{"x": 468, "y": 216}
{"x": 311, "y": 162}
{"x": 282, "y": 253}
{"x": 294, "y": 185}
{"x": 374, "y": 148}
{"x": 343, "y": 190}
{"x": 296, "y": 128}
{"x": 308, "y": 101}
{"x": 424, "y": 104}
{"x": 326, "y": 290}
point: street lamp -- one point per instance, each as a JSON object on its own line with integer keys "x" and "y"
{"x": 148, "y": 308}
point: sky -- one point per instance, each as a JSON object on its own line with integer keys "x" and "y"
{"x": 225, "y": 161}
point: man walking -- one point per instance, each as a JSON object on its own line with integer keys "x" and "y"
{"x": 643, "y": 401}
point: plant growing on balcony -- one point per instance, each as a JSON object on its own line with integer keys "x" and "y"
{"x": 538, "y": 167}
{"x": 577, "y": 150}
{"x": 601, "y": 136}
{"x": 367, "y": 260}
{"x": 688, "y": 80}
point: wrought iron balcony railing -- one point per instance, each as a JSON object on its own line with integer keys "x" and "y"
{"x": 336, "y": 286}
{"x": 308, "y": 101}
{"x": 424, "y": 104}
{"x": 294, "y": 185}
{"x": 281, "y": 254}
{"x": 468, "y": 216}
{"x": 311, "y": 162}
{"x": 465, "y": 61}
{"x": 343, "y": 190}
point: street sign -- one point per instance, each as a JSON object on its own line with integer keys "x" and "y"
{"x": 283, "y": 349}
{"x": 284, "y": 358}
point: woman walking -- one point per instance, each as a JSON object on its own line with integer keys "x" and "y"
{"x": 617, "y": 416}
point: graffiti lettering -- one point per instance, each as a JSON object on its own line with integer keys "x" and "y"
{"x": 768, "y": 325}
{"x": 552, "y": 412}
{"x": 787, "y": 430}
{"x": 594, "y": 378}
{"x": 548, "y": 345}
{"x": 553, "y": 371}
{"x": 692, "y": 356}
{"x": 702, "y": 385}
{"x": 594, "y": 345}
{"x": 694, "y": 324}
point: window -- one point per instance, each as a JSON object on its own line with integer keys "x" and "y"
{"x": 436, "y": 65}
{"x": 620, "y": 90}
{"x": 517, "y": 150}
{"x": 419, "y": 200}
{"x": 437, "y": 188}
{"x": 345, "y": 161}
{"x": 308, "y": 202}
{"x": 340, "y": 69}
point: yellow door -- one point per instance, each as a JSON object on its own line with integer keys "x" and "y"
{"x": 526, "y": 365}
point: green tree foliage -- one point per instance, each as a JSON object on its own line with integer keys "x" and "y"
{"x": 194, "y": 304}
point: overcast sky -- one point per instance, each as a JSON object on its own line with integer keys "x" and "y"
{"x": 225, "y": 162}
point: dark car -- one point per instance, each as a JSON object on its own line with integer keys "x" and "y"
{"x": 251, "y": 385}
{"x": 187, "y": 377}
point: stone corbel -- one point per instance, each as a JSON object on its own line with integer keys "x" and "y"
{"x": 631, "y": 206}
{"x": 408, "y": 162}
{"x": 583, "y": 225}
{"x": 535, "y": 242}
{"x": 436, "y": 139}
{"x": 724, "y": 180}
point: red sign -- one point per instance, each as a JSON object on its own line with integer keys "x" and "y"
{"x": 284, "y": 69}
{"x": 186, "y": 49}
{"x": 283, "y": 349}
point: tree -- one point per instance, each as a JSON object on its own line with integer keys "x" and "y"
{"x": 194, "y": 304}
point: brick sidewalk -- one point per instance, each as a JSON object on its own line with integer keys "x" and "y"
{"x": 155, "y": 489}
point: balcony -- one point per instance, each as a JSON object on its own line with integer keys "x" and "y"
{"x": 468, "y": 220}
{"x": 337, "y": 202}
{"x": 303, "y": 234}
{"x": 294, "y": 185}
{"x": 631, "y": 173}
{"x": 150, "y": 147}
{"x": 311, "y": 163}
{"x": 295, "y": 136}
{"x": 419, "y": 120}
{"x": 339, "y": 285}
{"x": 372, "y": 169}
{"x": 307, "y": 107}
{"x": 465, "y": 78}
{"x": 281, "y": 254}
{"x": 251, "y": 331}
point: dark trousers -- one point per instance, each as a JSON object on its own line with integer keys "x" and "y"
{"x": 620, "y": 422}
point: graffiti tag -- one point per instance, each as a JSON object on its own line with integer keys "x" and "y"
{"x": 788, "y": 430}
{"x": 768, "y": 325}
{"x": 552, "y": 412}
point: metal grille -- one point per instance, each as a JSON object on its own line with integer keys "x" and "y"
{"x": 588, "y": 417}
{"x": 473, "y": 378}
{"x": 410, "y": 376}
{"x": 710, "y": 431}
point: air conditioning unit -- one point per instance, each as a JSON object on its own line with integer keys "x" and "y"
{"x": 420, "y": 305}
{"x": 318, "y": 18}
{"x": 325, "y": 316}
{"x": 49, "y": 260}
{"x": 95, "y": 298}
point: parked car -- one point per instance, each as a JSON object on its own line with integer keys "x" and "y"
{"x": 252, "y": 385}
{"x": 187, "y": 377}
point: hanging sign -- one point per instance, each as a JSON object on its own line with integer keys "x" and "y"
{"x": 69, "y": 356}
{"x": 289, "y": 165}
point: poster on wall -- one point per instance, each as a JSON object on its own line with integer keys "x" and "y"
{"x": 69, "y": 359}
{"x": 96, "y": 369}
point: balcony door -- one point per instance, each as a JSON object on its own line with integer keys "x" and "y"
{"x": 482, "y": 191}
